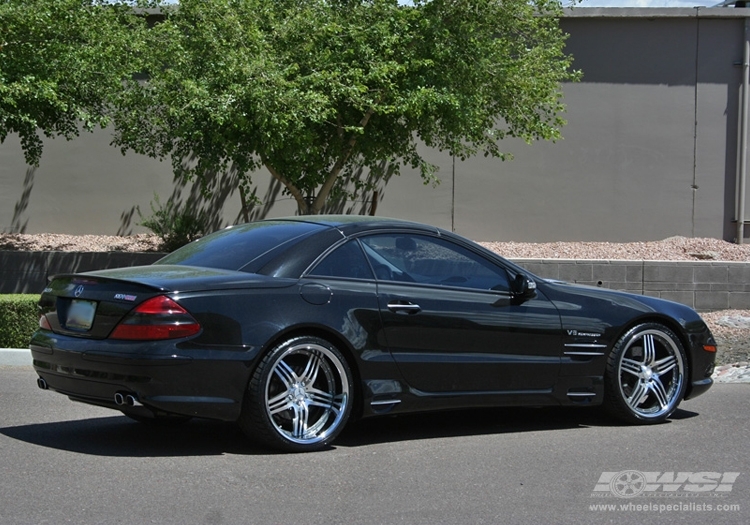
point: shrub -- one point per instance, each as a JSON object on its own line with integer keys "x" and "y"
{"x": 19, "y": 318}
{"x": 176, "y": 225}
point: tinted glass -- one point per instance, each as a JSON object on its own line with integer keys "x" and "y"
{"x": 432, "y": 260}
{"x": 346, "y": 261}
{"x": 235, "y": 247}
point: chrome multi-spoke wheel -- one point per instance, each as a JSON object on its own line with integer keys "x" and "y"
{"x": 300, "y": 396}
{"x": 646, "y": 374}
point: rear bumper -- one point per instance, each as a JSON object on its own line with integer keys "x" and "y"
{"x": 164, "y": 378}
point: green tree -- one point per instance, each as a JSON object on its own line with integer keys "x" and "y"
{"x": 315, "y": 90}
{"x": 61, "y": 63}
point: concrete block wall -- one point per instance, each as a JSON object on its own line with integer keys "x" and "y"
{"x": 703, "y": 285}
{"x": 27, "y": 272}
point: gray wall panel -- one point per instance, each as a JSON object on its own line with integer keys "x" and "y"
{"x": 81, "y": 186}
{"x": 633, "y": 182}
{"x": 634, "y": 50}
{"x": 717, "y": 106}
{"x": 407, "y": 197}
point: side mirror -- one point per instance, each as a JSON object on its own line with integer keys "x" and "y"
{"x": 523, "y": 287}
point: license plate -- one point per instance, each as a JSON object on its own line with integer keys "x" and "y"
{"x": 81, "y": 315}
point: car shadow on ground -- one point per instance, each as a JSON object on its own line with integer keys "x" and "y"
{"x": 479, "y": 422}
{"x": 118, "y": 436}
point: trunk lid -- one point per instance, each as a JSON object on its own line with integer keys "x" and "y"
{"x": 91, "y": 304}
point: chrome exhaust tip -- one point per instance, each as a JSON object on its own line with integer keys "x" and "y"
{"x": 41, "y": 383}
{"x": 127, "y": 399}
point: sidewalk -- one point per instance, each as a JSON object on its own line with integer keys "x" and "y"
{"x": 15, "y": 357}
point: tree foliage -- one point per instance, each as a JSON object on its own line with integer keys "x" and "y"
{"x": 61, "y": 64}
{"x": 315, "y": 90}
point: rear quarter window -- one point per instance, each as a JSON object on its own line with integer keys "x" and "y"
{"x": 235, "y": 247}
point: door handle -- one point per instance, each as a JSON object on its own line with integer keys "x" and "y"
{"x": 404, "y": 307}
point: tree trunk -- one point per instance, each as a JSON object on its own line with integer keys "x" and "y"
{"x": 243, "y": 200}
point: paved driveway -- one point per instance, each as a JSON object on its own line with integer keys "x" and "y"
{"x": 64, "y": 462}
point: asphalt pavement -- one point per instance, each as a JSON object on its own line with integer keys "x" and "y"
{"x": 65, "y": 462}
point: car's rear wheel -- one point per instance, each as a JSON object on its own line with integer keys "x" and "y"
{"x": 300, "y": 396}
{"x": 646, "y": 375}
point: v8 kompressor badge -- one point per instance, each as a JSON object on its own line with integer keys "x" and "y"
{"x": 576, "y": 333}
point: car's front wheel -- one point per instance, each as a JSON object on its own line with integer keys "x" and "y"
{"x": 646, "y": 375}
{"x": 300, "y": 396}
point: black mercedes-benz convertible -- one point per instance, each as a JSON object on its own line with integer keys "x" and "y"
{"x": 292, "y": 327}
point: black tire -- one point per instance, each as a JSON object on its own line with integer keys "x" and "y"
{"x": 646, "y": 375}
{"x": 299, "y": 397}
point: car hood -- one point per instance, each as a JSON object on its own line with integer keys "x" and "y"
{"x": 570, "y": 298}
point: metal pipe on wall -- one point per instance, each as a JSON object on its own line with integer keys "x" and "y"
{"x": 742, "y": 168}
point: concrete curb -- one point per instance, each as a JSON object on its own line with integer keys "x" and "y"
{"x": 15, "y": 357}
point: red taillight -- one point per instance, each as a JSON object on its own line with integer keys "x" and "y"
{"x": 44, "y": 323}
{"x": 158, "y": 318}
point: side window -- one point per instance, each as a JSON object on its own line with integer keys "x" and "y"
{"x": 432, "y": 260}
{"x": 345, "y": 261}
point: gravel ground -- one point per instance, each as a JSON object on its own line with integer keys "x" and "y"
{"x": 55, "y": 242}
{"x": 730, "y": 327}
{"x": 672, "y": 249}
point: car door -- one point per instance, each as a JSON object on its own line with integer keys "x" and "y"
{"x": 452, "y": 323}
